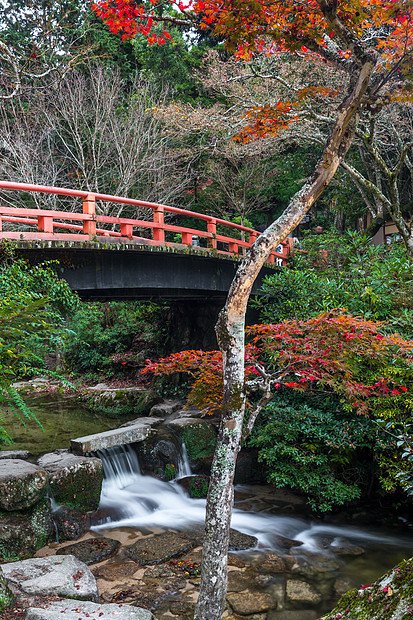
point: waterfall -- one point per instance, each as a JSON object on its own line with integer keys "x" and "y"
{"x": 130, "y": 499}
{"x": 184, "y": 468}
{"x": 120, "y": 465}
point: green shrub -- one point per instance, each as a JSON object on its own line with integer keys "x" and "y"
{"x": 105, "y": 329}
{"x": 318, "y": 448}
{"x": 373, "y": 281}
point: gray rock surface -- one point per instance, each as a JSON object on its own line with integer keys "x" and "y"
{"x": 80, "y": 610}
{"x": 166, "y": 408}
{"x": 21, "y": 534}
{"x": 21, "y": 484}
{"x": 92, "y": 550}
{"x": 75, "y": 481}
{"x": 58, "y": 575}
{"x": 246, "y": 603}
{"x": 119, "y": 436}
{"x": 14, "y": 454}
{"x": 159, "y": 548}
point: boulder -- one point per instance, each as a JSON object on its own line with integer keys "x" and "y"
{"x": 166, "y": 408}
{"x": 345, "y": 547}
{"x": 159, "y": 548}
{"x": 57, "y": 575}
{"x": 22, "y": 484}
{"x": 75, "y": 481}
{"x": 200, "y": 439}
{"x": 118, "y": 402}
{"x": 80, "y": 610}
{"x": 195, "y": 486}
{"x": 22, "y": 533}
{"x": 302, "y": 592}
{"x": 92, "y": 550}
{"x": 70, "y": 523}
{"x": 388, "y": 598}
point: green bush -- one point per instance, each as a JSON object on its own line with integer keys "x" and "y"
{"x": 105, "y": 329}
{"x": 373, "y": 281}
{"x": 319, "y": 449}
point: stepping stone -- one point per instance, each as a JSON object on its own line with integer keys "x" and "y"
{"x": 81, "y": 610}
{"x": 57, "y": 575}
{"x": 159, "y": 548}
{"x": 92, "y": 550}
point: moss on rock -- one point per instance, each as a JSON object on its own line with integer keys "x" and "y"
{"x": 6, "y": 595}
{"x": 389, "y": 598}
{"x": 200, "y": 440}
{"x": 75, "y": 481}
{"x": 23, "y": 533}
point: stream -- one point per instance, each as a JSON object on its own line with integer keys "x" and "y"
{"x": 144, "y": 503}
{"x": 326, "y": 552}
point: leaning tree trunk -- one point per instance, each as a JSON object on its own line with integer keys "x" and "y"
{"x": 230, "y": 334}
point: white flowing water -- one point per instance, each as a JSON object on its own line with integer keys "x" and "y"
{"x": 133, "y": 500}
{"x": 184, "y": 468}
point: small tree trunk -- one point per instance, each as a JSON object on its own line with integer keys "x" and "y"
{"x": 230, "y": 333}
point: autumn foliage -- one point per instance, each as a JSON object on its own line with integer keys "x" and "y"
{"x": 342, "y": 33}
{"x": 333, "y": 352}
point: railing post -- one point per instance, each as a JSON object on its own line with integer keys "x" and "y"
{"x": 252, "y": 238}
{"x": 159, "y": 220}
{"x": 288, "y": 250}
{"x": 45, "y": 224}
{"x": 212, "y": 228}
{"x": 187, "y": 238}
{"x": 89, "y": 208}
{"x": 126, "y": 230}
{"x": 233, "y": 247}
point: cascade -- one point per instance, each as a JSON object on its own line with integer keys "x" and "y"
{"x": 133, "y": 500}
{"x": 184, "y": 468}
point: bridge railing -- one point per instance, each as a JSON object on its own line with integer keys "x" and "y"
{"x": 46, "y": 224}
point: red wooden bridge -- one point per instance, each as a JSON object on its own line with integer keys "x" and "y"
{"x": 220, "y": 236}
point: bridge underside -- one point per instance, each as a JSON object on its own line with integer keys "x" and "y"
{"x": 125, "y": 271}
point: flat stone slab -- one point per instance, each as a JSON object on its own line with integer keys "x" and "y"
{"x": 246, "y": 603}
{"x": 159, "y": 548}
{"x": 57, "y": 575}
{"x": 22, "y": 484}
{"x": 75, "y": 481}
{"x": 14, "y": 454}
{"x": 92, "y": 550}
{"x": 81, "y": 610}
{"x": 119, "y": 436}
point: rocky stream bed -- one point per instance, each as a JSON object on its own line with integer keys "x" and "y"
{"x": 133, "y": 550}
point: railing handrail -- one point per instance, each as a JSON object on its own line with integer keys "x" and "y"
{"x": 77, "y": 193}
{"x": 44, "y": 219}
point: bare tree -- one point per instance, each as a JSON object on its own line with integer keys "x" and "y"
{"x": 383, "y": 174}
{"x": 89, "y": 133}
